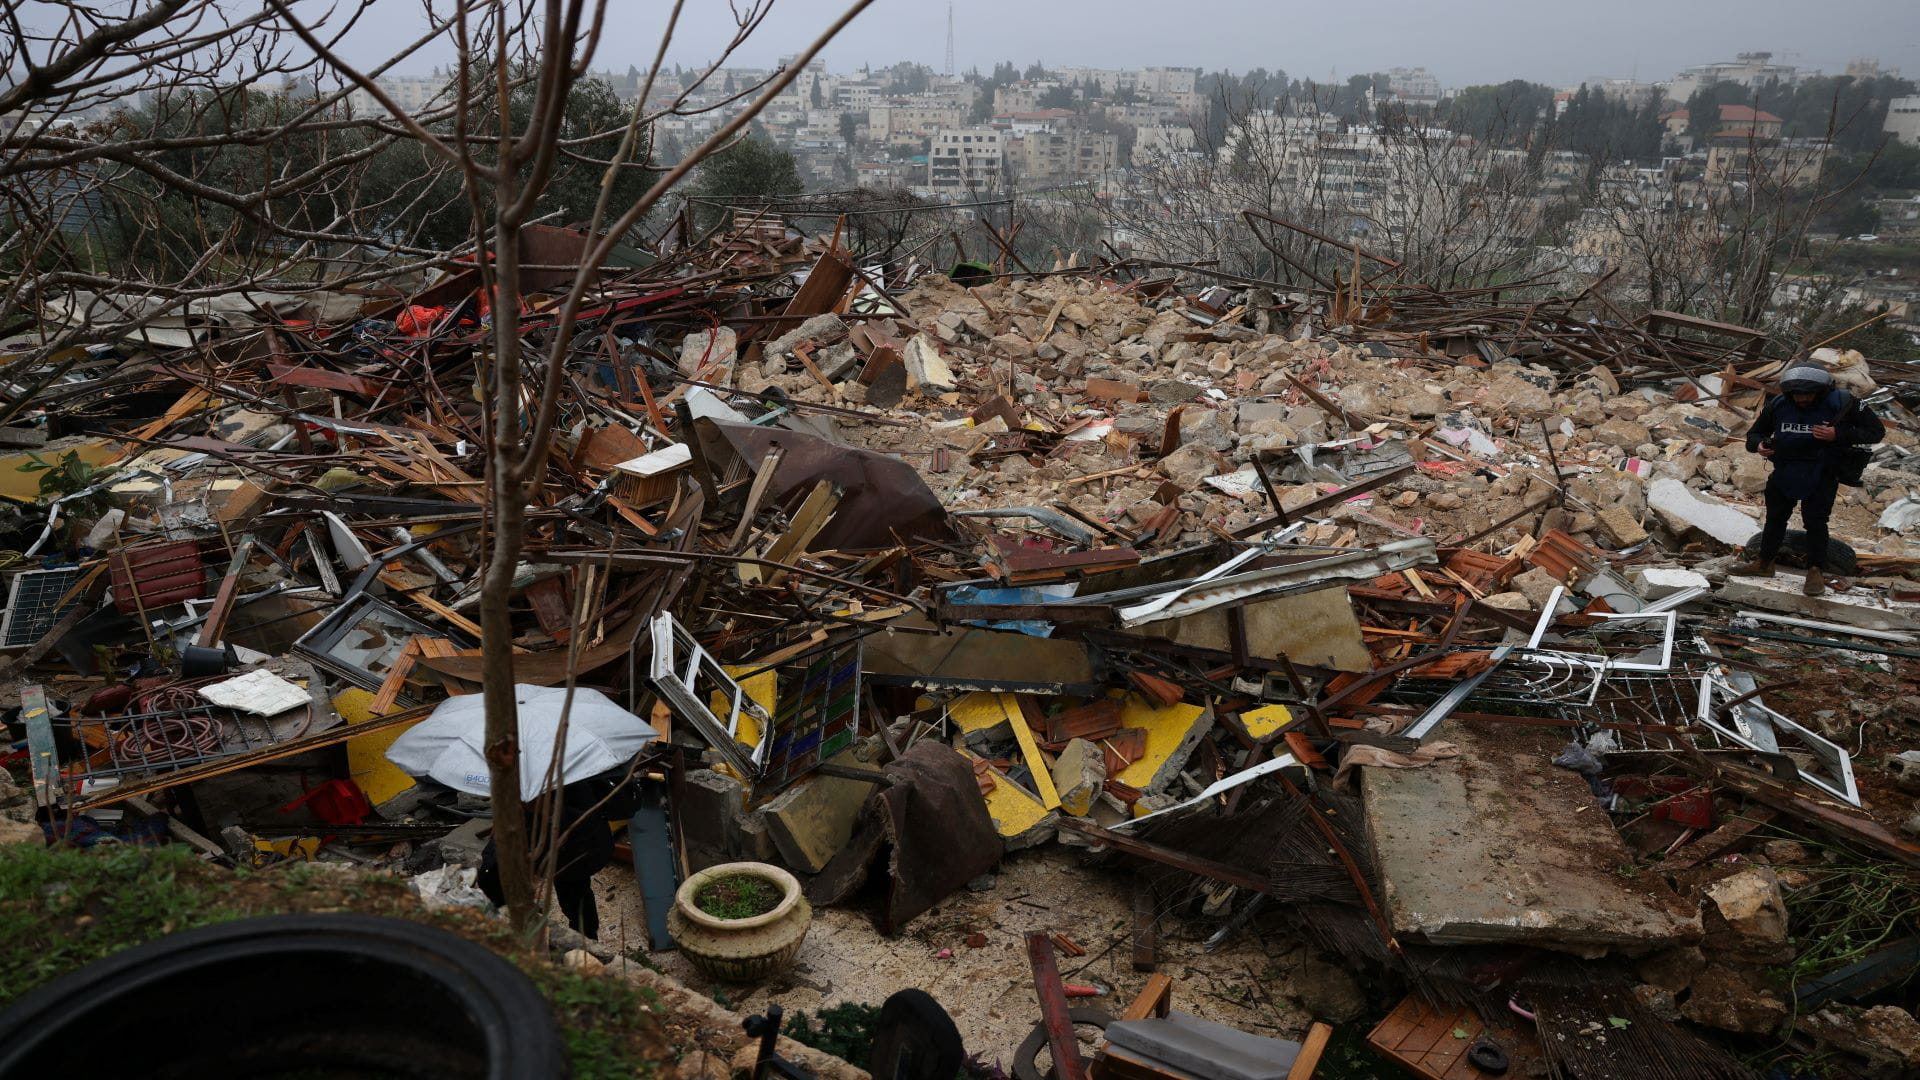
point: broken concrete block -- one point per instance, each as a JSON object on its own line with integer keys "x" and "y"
{"x": 1721, "y": 998}
{"x": 1189, "y": 465}
{"x": 1681, "y": 510}
{"x": 1536, "y": 585}
{"x": 464, "y": 844}
{"x": 809, "y": 823}
{"x": 1672, "y": 969}
{"x": 1453, "y": 874}
{"x": 709, "y": 347}
{"x": 1619, "y": 527}
{"x": 1750, "y": 473}
{"x": 1079, "y": 774}
{"x": 824, "y": 329}
{"x": 710, "y": 811}
{"x": 1173, "y": 392}
{"x": 1621, "y": 434}
{"x": 1662, "y": 581}
{"x": 1752, "y": 906}
{"x": 926, "y": 368}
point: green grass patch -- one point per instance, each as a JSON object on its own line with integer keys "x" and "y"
{"x": 738, "y": 896}
{"x": 845, "y": 1031}
{"x": 61, "y": 909}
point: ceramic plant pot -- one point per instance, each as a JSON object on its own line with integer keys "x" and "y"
{"x": 740, "y": 950}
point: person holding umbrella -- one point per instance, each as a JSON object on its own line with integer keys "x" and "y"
{"x": 586, "y": 848}
{"x": 597, "y": 738}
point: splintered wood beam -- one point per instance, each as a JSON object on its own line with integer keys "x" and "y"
{"x": 1146, "y": 937}
{"x": 1054, "y": 1012}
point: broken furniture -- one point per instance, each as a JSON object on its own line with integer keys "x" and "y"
{"x": 1154, "y": 1041}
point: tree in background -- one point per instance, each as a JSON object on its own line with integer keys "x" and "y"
{"x": 751, "y": 171}
{"x": 849, "y": 127}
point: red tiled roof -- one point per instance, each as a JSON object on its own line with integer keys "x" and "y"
{"x": 1746, "y": 114}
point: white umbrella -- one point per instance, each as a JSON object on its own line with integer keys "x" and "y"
{"x": 450, "y": 744}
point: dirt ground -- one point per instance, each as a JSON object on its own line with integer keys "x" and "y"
{"x": 1247, "y": 982}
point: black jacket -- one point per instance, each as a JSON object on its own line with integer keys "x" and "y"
{"x": 1801, "y": 463}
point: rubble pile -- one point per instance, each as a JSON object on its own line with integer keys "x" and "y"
{"x": 1403, "y": 618}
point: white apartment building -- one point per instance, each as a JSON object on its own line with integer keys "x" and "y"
{"x": 1152, "y": 142}
{"x": 1903, "y": 120}
{"x": 1413, "y": 84}
{"x": 412, "y": 93}
{"x": 966, "y": 160}
{"x": 1752, "y": 70}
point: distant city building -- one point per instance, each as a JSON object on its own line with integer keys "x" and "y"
{"x": 1752, "y": 70}
{"x": 1413, "y": 84}
{"x": 1152, "y": 142}
{"x": 413, "y": 94}
{"x": 1055, "y": 156}
{"x": 966, "y": 160}
{"x": 1903, "y": 120}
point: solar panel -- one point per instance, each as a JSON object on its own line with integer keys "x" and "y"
{"x": 34, "y": 605}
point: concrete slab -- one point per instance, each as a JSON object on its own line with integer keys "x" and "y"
{"x": 810, "y": 822}
{"x": 1497, "y": 846}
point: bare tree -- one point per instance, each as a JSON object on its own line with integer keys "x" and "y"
{"x": 295, "y": 201}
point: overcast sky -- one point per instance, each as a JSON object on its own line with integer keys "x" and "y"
{"x": 1559, "y": 42}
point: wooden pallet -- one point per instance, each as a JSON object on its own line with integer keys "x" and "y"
{"x": 1433, "y": 1042}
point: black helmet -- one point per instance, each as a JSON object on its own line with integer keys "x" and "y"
{"x": 1806, "y": 379}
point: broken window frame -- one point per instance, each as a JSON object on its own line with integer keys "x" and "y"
{"x": 679, "y": 684}
{"x": 1837, "y": 777}
{"x": 317, "y": 644}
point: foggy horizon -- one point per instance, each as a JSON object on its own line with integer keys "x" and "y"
{"x": 1471, "y": 42}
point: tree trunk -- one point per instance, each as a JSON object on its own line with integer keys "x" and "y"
{"x": 506, "y": 515}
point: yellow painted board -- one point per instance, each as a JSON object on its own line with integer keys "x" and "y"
{"x": 303, "y": 848}
{"x": 25, "y": 486}
{"x": 983, "y": 710}
{"x": 367, "y": 762}
{"x": 1266, "y": 720}
{"x": 762, "y": 689}
{"x": 1165, "y": 728}
{"x": 1013, "y": 809}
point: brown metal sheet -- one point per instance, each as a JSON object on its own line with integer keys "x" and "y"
{"x": 883, "y": 500}
{"x": 157, "y": 575}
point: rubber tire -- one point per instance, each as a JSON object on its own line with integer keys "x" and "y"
{"x": 1793, "y": 552}
{"x": 1026, "y": 1058}
{"x": 307, "y": 995}
{"x": 915, "y": 1032}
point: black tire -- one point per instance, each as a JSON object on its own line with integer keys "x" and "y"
{"x": 1026, "y": 1059}
{"x": 1793, "y": 552}
{"x": 306, "y": 995}
{"x": 915, "y": 1039}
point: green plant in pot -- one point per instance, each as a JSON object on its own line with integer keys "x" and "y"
{"x": 740, "y": 922}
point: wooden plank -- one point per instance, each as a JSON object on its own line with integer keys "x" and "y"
{"x": 548, "y": 597}
{"x": 390, "y": 686}
{"x": 1311, "y": 1050}
{"x": 1054, "y": 1012}
{"x": 322, "y": 379}
{"x": 43, "y": 761}
{"x": 1154, "y": 999}
{"x": 761, "y": 478}
{"x": 806, "y": 360}
{"x": 1146, "y": 937}
{"x": 1179, "y": 860}
{"x": 1720, "y": 839}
